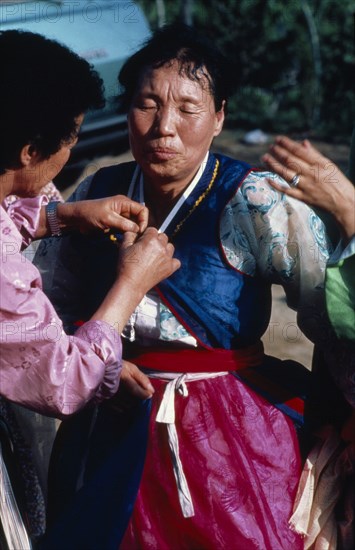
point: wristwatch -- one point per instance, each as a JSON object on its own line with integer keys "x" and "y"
{"x": 52, "y": 217}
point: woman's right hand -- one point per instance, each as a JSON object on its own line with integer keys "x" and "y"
{"x": 147, "y": 260}
{"x": 143, "y": 262}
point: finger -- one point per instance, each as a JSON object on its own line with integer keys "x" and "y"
{"x": 293, "y": 163}
{"x": 304, "y": 151}
{"x": 143, "y": 220}
{"x": 277, "y": 167}
{"x": 137, "y": 389}
{"x": 131, "y": 371}
{"x": 290, "y": 191}
{"x": 129, "y": 238}
{"x": 143, "y": 381}
{"x": 176, "y": 264}
{"x": 140, "y": 213}
{"x": 170, "y": 249}
{"x": 163, "y": 238}
{"x": 122, "y": 223}
{"x": 307, "y": 144}
{"x": 151, "y": 231}
{"x": 284, "y": 166}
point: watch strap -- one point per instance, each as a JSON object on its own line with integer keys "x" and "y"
{"x": 52, "y": 218}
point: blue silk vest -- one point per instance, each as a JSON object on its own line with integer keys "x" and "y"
{"x": 219, "y": 305}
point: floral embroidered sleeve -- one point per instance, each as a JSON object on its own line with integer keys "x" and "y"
{"x": 267, "y": 234}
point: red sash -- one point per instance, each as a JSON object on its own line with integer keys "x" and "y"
{"x": 200, "y": 359}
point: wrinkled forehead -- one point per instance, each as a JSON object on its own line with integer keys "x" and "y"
{"x": 183, "y": 69}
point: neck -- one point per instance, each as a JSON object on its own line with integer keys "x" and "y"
{"x": 160, "y": 197}
{"x": 6, "y": 185}
{"x": 160, "y": 201}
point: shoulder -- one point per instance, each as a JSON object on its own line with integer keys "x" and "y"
{"x": 257, "y": 193}
{"x": 229, "y": 166}
{"x": 111, "y": 180}
{"x": 104, "y": 182}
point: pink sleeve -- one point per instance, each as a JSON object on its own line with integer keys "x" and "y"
{"x": 25, "y": 215}
{"x": 40, "y": 366}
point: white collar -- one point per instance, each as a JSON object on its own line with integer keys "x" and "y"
{"x": 138, "y": 172}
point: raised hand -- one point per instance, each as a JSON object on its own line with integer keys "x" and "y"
{"x": 313, "y": 179}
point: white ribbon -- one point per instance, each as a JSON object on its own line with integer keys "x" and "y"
{"x": 166, "y": 415}
{"x": 187, "y": 192}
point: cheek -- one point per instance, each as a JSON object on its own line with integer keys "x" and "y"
{"x": 57, "y": 163}
{"x": 196, "y": 133}
{"x": 139, "y": 123}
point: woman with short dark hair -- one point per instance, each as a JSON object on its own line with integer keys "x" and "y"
{"x": 45, "y": 92}
{"x": 223, "y": 460}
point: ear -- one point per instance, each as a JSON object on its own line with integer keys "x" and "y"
{"x": 28, "y": 155}
{"x": 219, "y": 120}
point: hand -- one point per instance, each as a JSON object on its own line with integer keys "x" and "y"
{"x": 134, "y": 385}
{"x": 146, "y": 261}
{"x": 142, "y": 264}
{"x": 135, "y": 381}
{"x": 117, "y": 212}
{"x": 321, "y": 182}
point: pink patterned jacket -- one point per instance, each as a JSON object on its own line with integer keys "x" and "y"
{"x": 41, "y": 367}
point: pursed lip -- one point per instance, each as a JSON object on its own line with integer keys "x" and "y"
{"x": 161, "y": 153}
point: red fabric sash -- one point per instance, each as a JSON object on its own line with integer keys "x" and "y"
{"x": 200, "y": 360}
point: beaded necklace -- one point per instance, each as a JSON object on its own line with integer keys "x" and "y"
{"x": 182, "y": 199}
{"x": 199, "y": 200}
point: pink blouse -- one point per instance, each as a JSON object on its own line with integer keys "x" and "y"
{"x": 40, "y": 366}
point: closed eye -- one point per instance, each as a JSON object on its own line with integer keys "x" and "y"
{"x": 189, "y": 108}
{"x": 146, "y": 105}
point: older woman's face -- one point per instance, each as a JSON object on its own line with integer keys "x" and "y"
{"x": 172, "y": 122}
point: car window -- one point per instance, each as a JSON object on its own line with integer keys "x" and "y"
{"x": 104, "y": 32}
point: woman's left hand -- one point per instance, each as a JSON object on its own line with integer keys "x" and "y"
{"x": 117, "y": 212}
{"x": 312, "y": 178}
{"x": 135, "y": 381}
{"x": 134, "y": 384}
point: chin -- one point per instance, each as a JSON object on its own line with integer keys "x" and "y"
{"x": 29, "y": 194}
{"x": 159, "y": 170}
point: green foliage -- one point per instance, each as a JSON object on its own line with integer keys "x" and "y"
{"x": 294, "y": 59}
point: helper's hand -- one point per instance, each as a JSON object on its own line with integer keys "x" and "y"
{"x": 135, "y": 382}
{"x": 117, "y": 212}
{"x": 142, "y": 264}
{"x": 134, "y": 385}
{"x": 321, "y": 183}
{"x": 147, "y": 260}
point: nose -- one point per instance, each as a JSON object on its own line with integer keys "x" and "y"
{"x": 165, "y": 121}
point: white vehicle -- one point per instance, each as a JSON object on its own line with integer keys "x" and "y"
{"x": 104, "y": 32}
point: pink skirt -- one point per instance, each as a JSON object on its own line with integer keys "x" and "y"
{"x": 241, "y": 459}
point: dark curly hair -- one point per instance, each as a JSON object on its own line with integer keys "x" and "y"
{"x": 44, "y": 87}
{"x": 198, "y": 58}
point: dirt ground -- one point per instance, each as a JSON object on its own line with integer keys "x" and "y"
{"x": 283, "y": 338}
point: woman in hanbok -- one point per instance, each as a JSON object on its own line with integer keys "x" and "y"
{"x": 223, "y": 458}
